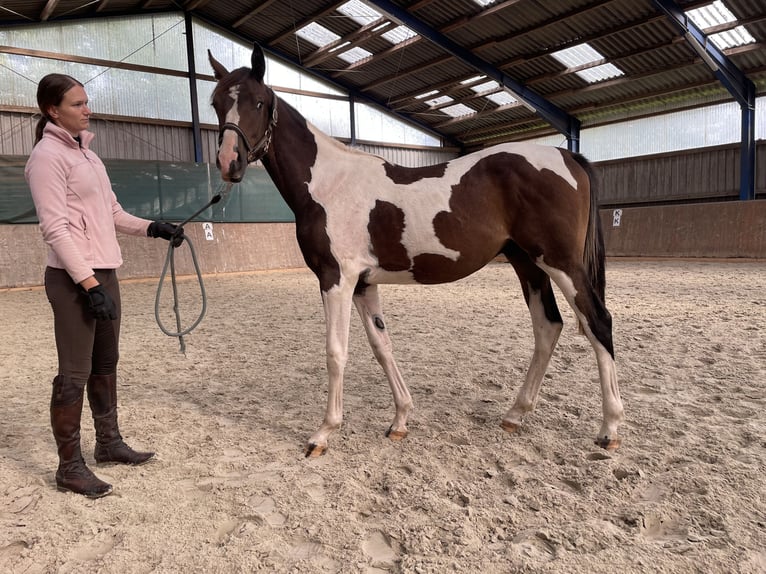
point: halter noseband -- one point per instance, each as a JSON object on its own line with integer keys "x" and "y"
{"x": 261, "y": 148}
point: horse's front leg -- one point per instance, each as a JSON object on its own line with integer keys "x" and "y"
{"x": 337, "y": 310}
{"x": 368, "y": 305}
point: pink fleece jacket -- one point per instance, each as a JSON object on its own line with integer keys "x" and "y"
{"x": 78, "y": 211}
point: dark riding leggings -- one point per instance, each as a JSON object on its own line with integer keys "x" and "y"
{"x": 84, "y": 345}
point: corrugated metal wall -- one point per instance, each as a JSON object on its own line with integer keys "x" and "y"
{"x": 702, "y": 174}
{"x": 17, "y": 133}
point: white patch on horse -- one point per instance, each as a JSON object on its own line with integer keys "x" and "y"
{"x": 347, "y": 184}
{"x": 232, "y": 116}
{"x": 229, "y": 141}
{"x": 227, "y": 149}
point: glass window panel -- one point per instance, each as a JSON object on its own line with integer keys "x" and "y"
{"x": 375, "y": 125}
{"x": 230, "y": 52}
{"x": 204, "y": 97}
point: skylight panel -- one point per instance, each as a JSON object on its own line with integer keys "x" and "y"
{"x": 716, "y": 14}
{"x": 458, "y": 110}
{"x": 600, "y": 73}
{"x": 485, "y": 87}
{"x": 354, "y": 55}
{"x": 439, "y": 101}
{"x": 399, "y": 35}
{"x": 359, "y": 12}
{"x": 711, "y": 15}
{"x": 317, "y": 34}
{"x": 578, "y": 55}
{"x": 738, "y": 36}
{"x": 426, "y": 94}
{"x": 502, "y": 98}
{"x": 583, "y": 55}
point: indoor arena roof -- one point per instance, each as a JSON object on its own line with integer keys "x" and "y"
{"x": 479, "y": 72}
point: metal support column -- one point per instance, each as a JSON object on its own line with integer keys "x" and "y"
{"x": 194, "y": 100}
{"x": 736, "y": 82}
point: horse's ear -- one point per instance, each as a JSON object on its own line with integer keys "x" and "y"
{"x": 257, "y": 63}
{"x": 219, "y": 71}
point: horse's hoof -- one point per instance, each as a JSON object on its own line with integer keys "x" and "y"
{"x": 508, "y": 426}
{"x": 608, "y": 444}
{"x": 396, "y": 435}
{"x": 315, "y": 450}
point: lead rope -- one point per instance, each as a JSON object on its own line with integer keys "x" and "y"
{"x": 170, "y": 263}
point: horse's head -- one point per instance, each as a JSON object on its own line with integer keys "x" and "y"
{"x": 247, "y": 113}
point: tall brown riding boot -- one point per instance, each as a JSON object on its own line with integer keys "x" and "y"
{"x": 66, "y": 409}
{"x": 102, "y": 395}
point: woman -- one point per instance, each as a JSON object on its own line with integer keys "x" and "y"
{"x": 79, "y": 215}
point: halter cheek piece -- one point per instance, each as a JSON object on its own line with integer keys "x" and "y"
{"x": 261, "y": 148}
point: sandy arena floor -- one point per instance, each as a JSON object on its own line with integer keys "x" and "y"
{"x": 230, "y": 490}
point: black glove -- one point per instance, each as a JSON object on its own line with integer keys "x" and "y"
{"x": 168, "y": 231}
{"x": 100, "y": 304}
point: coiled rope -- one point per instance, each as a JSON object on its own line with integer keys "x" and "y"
{"x": 170, "y": 264}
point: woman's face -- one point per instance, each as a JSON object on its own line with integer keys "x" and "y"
{"x": 73, "y": 113}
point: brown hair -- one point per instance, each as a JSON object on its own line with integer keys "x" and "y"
{"x": 50, "y": 92}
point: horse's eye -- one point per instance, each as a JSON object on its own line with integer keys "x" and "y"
{"x": 259, "y": 105}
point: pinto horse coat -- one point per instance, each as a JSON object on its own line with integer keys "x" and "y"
{"x": 361, "y": 222}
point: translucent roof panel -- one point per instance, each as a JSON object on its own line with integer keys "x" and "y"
{"x": 426, "y": 94}
{"x": 582, "y": 55}
{"x": 317, "y": 34}
{"x": 359, "y": 12}
{"x": 399, "y": 34}
{"x": 600, "y": 73}
{"x": 354, "y": 55}
{"x": 711, "y": 15}
{"x": 485, "y": 87}
{"x": 502, "y": 98}
{"x": 578, "y": 55}
{"x": 439, "y": 101}
{"x": 738, "y": 36}
{"x": 716, "y": 14}
{"x": 458, "y": 110}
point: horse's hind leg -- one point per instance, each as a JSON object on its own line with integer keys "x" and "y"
{"x": 596, "y": 323}
{"x": 546, "y": 325}
{"x": 367, "y": 304}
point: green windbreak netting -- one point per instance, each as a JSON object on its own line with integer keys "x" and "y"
{"x": 160, "y": 190}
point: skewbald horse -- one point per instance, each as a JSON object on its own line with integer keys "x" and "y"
{"x": 361, "y": 222}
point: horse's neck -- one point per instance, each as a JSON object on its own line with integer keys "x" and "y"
{"x": 294, "y": 152}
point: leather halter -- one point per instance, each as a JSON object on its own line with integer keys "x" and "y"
{"x": 261, "y": 148}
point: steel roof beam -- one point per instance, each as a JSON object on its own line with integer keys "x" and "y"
{"x": 558, "y": 118}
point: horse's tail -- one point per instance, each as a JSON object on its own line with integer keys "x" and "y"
{"x": 594, "y": 254}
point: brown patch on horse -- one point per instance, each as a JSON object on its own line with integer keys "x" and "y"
{"x": 386, "y": 228}
{"x": 406, "y": 175}
{"x": 520, "y": 190}
{"x": 310, "y": 216}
